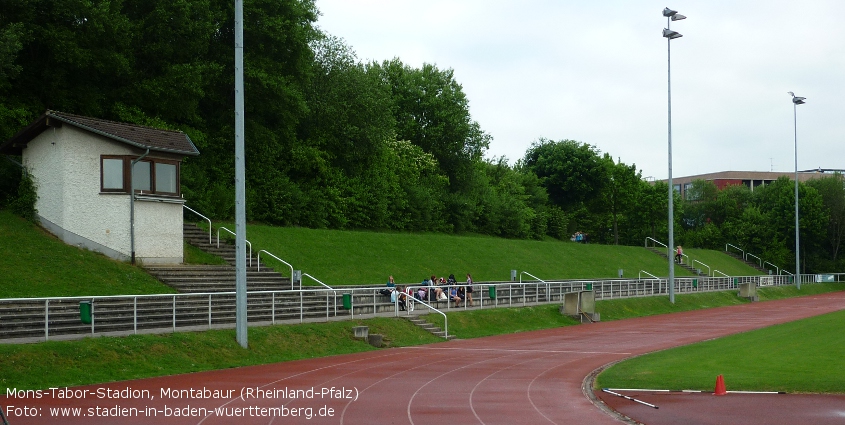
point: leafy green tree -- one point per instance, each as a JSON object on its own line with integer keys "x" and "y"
{"x": 777, "y": 202}
{"x": 432, "y": 112}
{"x": 621, "y": 192}
{"x": 417, "y": 204}
{"x": 832, "y": 191}
{"x": 507, "y": 204}
{"x": 572, "y": 172}
{"x": 729, "y": 204}
{"x": 650, "y": 216}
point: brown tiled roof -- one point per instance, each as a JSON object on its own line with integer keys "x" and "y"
{"x": 136, "y": 135}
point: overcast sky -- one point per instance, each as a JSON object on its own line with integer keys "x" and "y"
{"x": 595, "y": 71}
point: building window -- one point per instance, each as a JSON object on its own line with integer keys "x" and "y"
{"x": 142, "y": 177}
{"x": 112, "y": 174}
{"x": 166, "y": 178}
{"x": 152, "y": 176}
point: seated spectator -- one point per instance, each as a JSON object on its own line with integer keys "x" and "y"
{"x": 401, "y": 296}
{"x": 456, "y": 295}
{"x": 390, "y": 285}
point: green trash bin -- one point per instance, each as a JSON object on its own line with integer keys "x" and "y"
{"x": 347, "y": 301}
{"x": 695, "y": 283}
{"x": 589, "y": 287}
{"x": 85, "y": 312}
{"x": 492, "y": 290}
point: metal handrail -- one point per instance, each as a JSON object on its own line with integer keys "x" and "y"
{"x": 327, "y": 295}
{"x": 734, "y": 247}
{"x": 206, "y": 219}
{"x": 430, "y": 307}
{"x": 643, "y": 271}
{"x": 759, "y": 260}
{"x": 278, "y": 259}
{"x": 777, "y": 270}
{"x": 233, "y": 234}
{"x": 709, "y": 273}
{"x": 535, "y": 277}
{"x": 716, "y": 271}
{"x": 668, "y": 251}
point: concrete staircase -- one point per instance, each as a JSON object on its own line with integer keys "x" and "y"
{"x": 662, "y": 252}
{"x": 434, "y": 330}
{"x": 755, "y": 266}
{"x": 188, "y": 278}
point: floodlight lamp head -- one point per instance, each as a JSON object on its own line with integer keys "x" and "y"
{"x": 678, "y": 17}
{"x": 670, "y": 34}
{"x": 669, "y": 12}
{"x": 798, "y": 100}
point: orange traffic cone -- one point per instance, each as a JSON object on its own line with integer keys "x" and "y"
{"x": 720, "y": 386}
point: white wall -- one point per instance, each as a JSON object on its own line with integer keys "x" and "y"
{"x": 65, "y": 164}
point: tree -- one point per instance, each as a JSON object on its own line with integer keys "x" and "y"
{"x": 777, "y": 202}
{"x": 620, "y": 194}
{"x": 572, "y": 172}
{"x": 832, "y": 191}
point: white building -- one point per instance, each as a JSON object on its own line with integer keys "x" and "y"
{"x": 81, "y": 168}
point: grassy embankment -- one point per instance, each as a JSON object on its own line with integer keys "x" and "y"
{"x": 36, "y": 264}
{"x": 107, "y": 359}
{"x": 359, "y": 257}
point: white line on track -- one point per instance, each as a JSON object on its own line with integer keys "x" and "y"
{"x": 444, "y": 374}
{"x": 516, "y": 350}
{"x": 343, "y": 413}
{"x": 472, "y": 393}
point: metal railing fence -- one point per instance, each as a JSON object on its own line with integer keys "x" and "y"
{"x": 50, "y": 317}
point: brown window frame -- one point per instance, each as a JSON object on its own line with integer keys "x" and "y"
{"x": 127, "y": 183}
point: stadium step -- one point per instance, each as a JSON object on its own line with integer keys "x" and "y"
{"x": 428, "y": 327}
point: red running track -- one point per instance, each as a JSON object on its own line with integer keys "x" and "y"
{"x": 526, "y": 378}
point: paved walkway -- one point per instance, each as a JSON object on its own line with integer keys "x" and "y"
{"x": 526, "y": 378}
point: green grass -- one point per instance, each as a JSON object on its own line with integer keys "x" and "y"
{"x": 718, "y": 260}
{"x": 802, "y": 356}
{"x": 479, "y": 323}
{"x": 194, "y": 255}
{"x": 36, "y": 264}
{"x": 359, "y": 257}
{"x": 98, "y": 360}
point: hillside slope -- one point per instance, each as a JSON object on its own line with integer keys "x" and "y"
{"x": 37, "y": 264}
{"x": 359, "y": 257}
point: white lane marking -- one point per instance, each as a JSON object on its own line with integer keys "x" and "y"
{"x": 517, "y": 350}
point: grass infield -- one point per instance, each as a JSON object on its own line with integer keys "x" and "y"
{"x": 796, "y": 357}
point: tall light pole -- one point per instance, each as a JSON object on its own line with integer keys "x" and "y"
{"x": 671, "y": 15}
{"x": 240, "y": 187}
{"x": 796, "y": 100}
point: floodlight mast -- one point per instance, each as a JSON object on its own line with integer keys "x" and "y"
{"x": 796, "y": 100}
{"x": 240, "y": 186}
{"x": 671, "y": 15}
